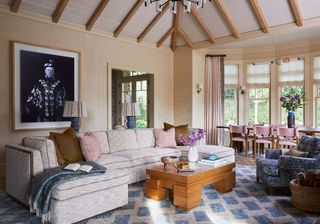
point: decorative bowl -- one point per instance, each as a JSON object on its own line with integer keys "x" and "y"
{"x": 169, "y": 161}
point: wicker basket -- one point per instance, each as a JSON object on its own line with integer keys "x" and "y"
{"x": 305, "y": 198}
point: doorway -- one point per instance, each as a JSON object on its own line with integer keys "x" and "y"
{"x": 132, "y": 86}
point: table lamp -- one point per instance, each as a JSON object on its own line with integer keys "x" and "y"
{"x": 130, "y": 110}
{"x": 75, "y": 110}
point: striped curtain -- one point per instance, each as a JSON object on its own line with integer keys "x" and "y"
{"x": 214, "y": 101}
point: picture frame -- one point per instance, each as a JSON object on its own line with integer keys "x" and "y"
{"x": 43, "y": 78}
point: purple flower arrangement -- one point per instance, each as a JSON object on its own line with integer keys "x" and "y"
{"x": 293, "y": 99}
{"x": 194, "y": 137}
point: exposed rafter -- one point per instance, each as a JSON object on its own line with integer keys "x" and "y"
{"x": 127, "y": 18}
{"x": 297, "y": 12}
{"x": 202, "y": 24}
{"x": 259, "y": 13}
{"x": 59, "y": 10}
{"x": 226, "y": 15}
{"x": 97, "y": 12}
{"x": 15, "y": 5}
{"x": 152, "y": 23}
{"x": 185, "y": 37}
{"x": 176, "y": 18}
{"x": 165, "y": 36}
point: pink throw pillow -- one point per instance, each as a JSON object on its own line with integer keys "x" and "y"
{"x": 90, "y": 147}
{"x": 165, "y": 139}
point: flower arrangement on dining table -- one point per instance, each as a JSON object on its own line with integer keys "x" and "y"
{"x": 194, "y": 137}
{"x": 292, "y": 99}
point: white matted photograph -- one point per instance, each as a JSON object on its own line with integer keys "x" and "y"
{"x": 43, "y": 79}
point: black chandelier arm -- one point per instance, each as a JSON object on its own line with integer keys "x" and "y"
{"x": 181, "y": 1}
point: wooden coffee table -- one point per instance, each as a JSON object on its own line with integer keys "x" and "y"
{"x": 187, "y": 187}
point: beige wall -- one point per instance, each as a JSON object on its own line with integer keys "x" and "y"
{"x": 183, "y": 86}
{"x": 97, "y": 54}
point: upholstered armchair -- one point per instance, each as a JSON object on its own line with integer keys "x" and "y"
{"x": 277, "y": 169}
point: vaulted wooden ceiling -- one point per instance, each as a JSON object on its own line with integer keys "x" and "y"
{"x": 219, "y": 19}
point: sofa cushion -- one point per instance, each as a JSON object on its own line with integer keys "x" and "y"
{"x": 67, "y": 146}
{"x": 90, "y": 147}
{"x": 145, "y": 137}
{"x": 103, "y": 139}
{"x": 147, "y": 155}
{"x": 165, "y": 139}
{"x": 181, "y": 129}
{"x": 73, "y": 188}
{"x": 121, "y": 140}
{"x": 46, "y": 148}
{"x": 111, "y": 161}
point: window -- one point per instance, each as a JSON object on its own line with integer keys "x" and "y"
{"x": 291, "y": 75}
{"x": 316, "y": 81}
{"x": 231, "y": 94}
{"x": 258, "y": 83}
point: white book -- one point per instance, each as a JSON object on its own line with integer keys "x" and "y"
{"x": 77, "y": 166}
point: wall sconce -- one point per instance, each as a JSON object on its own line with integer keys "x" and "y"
{"x": 242, "y": 89}
{"x": 199, "y": 88}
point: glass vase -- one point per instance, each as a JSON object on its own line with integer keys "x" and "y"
{"x": 193, "y": 155}
{"x": 291, "y": 119}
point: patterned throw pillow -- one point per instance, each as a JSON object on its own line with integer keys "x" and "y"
{"x": 165, "y": 139}
{"x": 90, "y": 147}
{"x": 181, "y": 129}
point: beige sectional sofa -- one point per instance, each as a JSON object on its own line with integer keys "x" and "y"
{"x": 126, "y": 154}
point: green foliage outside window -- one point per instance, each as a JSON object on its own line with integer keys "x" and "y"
{"x": 259, "y": 111}
{"x": 230, "y": 106}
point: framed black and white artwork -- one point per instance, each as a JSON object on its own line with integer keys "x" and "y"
{"x": 43, "y": 79}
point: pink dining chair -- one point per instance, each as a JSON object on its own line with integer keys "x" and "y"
{"x": 262, "y": 135}
{"x": 239, "y": 133}
{"x": 287, "y": 137}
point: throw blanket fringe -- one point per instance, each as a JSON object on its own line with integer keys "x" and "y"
{"x": 43, "y": 185}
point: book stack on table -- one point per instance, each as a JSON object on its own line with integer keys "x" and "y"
{"x": 213, "y": 160}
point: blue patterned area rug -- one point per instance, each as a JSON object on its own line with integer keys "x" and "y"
{"x": 247, "y": 203}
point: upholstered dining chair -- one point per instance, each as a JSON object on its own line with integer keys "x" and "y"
{"x": 262, "y": 135}
{"x": 239, "y": 133}
{"x": 287, "y": 137}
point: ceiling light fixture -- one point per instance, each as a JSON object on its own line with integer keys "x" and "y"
{"x": 173, "y": 4}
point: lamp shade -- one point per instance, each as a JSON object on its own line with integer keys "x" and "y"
{"x": 130, "y": 109}
{"x": 74, "y": 109}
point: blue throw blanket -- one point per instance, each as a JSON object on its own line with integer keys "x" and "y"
{"x": 43, "y": 185}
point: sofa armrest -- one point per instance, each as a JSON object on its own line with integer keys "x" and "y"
{"x": 273, "y": 153}
{"x": 22, "y": 164}
{"x": 290, "y": 166}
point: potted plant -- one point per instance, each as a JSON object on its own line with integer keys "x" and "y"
{"x": 292, "y": 99}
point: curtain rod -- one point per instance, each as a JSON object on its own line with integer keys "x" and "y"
{"x": 216, "y": 55}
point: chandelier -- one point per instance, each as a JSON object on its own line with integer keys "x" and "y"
{"x": 173, "y": 4}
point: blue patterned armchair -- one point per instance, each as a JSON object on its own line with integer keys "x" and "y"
{"x": 277, "y": 170}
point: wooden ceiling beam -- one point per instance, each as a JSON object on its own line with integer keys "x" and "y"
{"x": 203, "y": 25}
{"x": 260, "y": 15}
{"x": 165, "y": 36}
{"x": 152, "y": 23}
{"x": 15, "y": 5}
{"x": 175, "y": 25}
{"x": 185, "y": 37}
{"x": 127, "y": 18}
{"x": 59, "y": 10}
{"x": 227, "y": 16}
{"x": 95, "y": 15}
{"x": 297, "y": 12}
